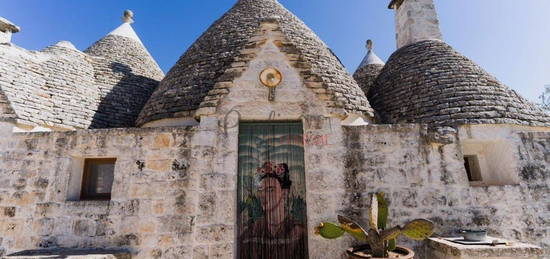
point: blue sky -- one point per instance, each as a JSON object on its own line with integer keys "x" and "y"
{"x": 509, "y": 38}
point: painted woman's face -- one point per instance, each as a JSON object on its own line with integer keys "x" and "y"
{"x": 271, "y": 194}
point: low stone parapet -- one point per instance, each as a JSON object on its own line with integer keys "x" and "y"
{"x": 445, "y": 248}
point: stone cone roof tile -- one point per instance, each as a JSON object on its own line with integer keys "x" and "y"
{"x": 371, "y": 59}
{"x": 104, "y": 87}
{"x": 185, "y": 86}
{"x": 124, "y": 46}
{"x": 430, "y": 82}
{"x": 369, "y": 69}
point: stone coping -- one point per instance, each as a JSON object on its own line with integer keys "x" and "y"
{"x": 510, "y": 250}
{"x": 71, "y": 253}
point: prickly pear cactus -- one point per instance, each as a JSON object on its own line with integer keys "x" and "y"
{"x": 382, "y": 210}
{"x": 374, "y": 213}
{"x": 418, "y": 229}
{"x": 375, "y": 234}
{"x": 353, "y": 228}
{"x": 329, "y": 230}
{"x": 392, "y": 244}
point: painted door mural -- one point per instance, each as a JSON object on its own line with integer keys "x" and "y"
{"x": 271, "y": 192}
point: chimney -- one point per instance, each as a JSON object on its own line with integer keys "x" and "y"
{"x": 415, "y": 20}
{"x": 7, "y": 28}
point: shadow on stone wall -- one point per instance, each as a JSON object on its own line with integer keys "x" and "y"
{"x": 121, "y": 105}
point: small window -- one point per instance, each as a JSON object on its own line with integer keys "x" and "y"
{"x": 97, "y": 180}
{"x": 471, "y": 163}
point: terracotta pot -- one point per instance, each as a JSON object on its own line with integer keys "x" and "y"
{"x": 362, "y": 252}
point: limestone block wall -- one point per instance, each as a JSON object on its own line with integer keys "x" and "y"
{"x": 152, "y": 211}
{"x": 427, "y": 180}
{"x": 174, "y": 193}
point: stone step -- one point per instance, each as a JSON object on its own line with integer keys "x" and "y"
{"x": 59, "y": 253}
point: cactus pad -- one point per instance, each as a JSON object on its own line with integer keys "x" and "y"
{"x": 379, "y": 238}
{"x": 382, "y": 211}
{"x": 373, "y": 222}
{"x": 353, "y": 228}
{"x": 391, "y": 233}
{"x": 329, "y": 230}
{"x": 418, "y": 229}
{"x": 392, "y": 244}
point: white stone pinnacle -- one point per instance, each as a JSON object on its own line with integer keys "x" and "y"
{"x": 66, "y": 44}
{"x": 371, "y": 58}
{"x": 126, "y": 30}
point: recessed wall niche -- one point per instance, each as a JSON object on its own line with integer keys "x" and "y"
{"x": 489, "y": 163}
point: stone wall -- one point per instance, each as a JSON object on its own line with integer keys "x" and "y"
{"x": 174, "y": 194}
{"x": 152, "y": 209}
{"x": 428, "y": 180}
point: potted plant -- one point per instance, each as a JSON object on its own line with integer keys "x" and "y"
{"x": 380, "y": 241}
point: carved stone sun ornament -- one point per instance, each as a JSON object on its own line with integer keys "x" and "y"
{"x": 271, "y": 78}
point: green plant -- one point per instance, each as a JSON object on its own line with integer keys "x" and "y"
{"x": 380, "y": 239}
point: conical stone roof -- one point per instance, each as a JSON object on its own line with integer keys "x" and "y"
{"x": 63, "y": 88}
{"x": 369, "y": 69}
{"x": 187, "y": 84}
{"x": 124, "y": 46}
{"x": 430, "y": 82}
{"x": 126, "y": 75}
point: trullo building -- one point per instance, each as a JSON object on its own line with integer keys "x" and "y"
{"x": 259, "y": 125}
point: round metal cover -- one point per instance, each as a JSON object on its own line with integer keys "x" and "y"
{"x": 271, "y": 77}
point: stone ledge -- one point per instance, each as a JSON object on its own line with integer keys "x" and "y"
{"x": 71, "y": 254}
{"x": 440, "y": 248}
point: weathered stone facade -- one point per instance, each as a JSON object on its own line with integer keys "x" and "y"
{"x": 429, "y": 180}
{"x": 153, "y": 194}
{"x": 208, "y": 63}
{"x": 175, "y": 188}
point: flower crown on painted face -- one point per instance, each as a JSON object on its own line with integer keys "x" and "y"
{"x": 277, "y": 171}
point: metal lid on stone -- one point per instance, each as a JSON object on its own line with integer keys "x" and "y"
{"x": 7, "y": 26}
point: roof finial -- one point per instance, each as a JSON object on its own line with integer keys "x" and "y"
{"x": 369, "y": 45}
{"x": 128, "y": 16}
{"x": 370, "y": 58}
